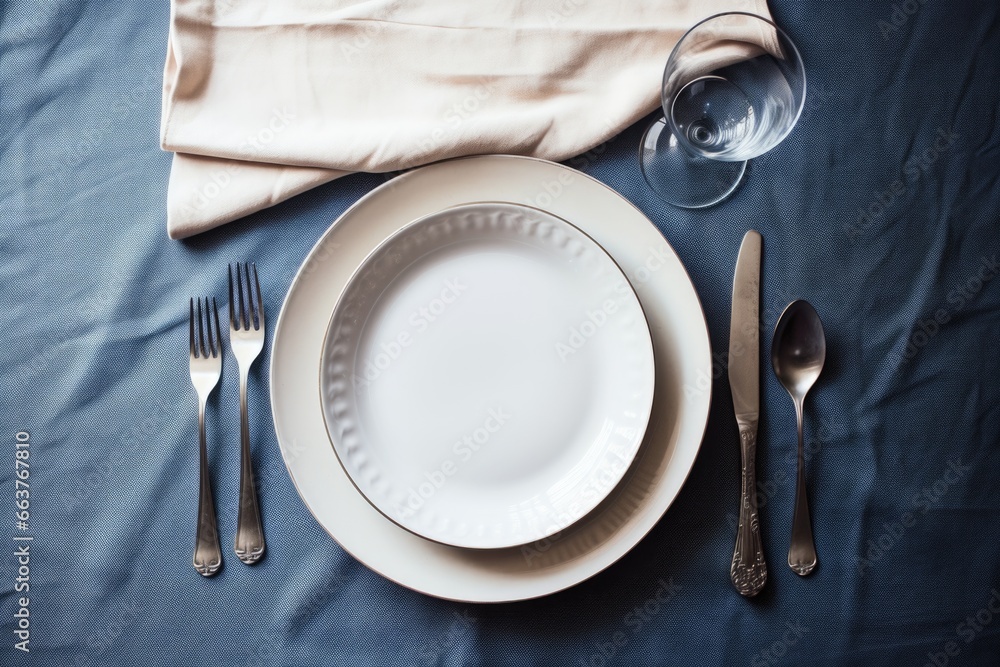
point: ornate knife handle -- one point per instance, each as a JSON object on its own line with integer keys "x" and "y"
{"x": 749, "y": 571}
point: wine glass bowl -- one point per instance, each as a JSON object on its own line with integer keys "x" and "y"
{"x": 733, "y": 88}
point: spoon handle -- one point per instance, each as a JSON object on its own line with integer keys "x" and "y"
{"x": 802, "y": 550}
{"x": 749, "y": 570}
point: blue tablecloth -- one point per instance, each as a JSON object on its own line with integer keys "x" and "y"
{"x": 882, "y": 208}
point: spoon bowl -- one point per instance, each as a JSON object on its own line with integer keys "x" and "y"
{"x": 799, "y": 348}
{"x": 798, "y": 352}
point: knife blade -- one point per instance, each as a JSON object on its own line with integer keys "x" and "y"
{"x": 744, "y": 331}
{"x": 749, "y": 570}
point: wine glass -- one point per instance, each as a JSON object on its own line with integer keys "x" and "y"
{"x": 733, "y": 88}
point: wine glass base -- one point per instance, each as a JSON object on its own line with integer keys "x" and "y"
{"x": 682, "y": 179}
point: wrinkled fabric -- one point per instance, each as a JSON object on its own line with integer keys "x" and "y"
{"x": 881, "y": 208}
{"x": 262, "y": 101}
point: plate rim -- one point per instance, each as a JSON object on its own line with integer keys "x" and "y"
{"x": 705, "y": 367}
{"x": 647, "y": 401}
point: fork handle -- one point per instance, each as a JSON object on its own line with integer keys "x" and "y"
{"x": 249, "y": 531}
{"x": 207, "y": 552}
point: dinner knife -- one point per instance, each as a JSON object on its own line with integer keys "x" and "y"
{"x": 749, "y": 571}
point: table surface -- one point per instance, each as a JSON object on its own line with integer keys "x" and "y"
{"x": 881, "y": 208}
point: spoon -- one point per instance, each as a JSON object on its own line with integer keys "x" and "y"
{"x": 797, "y": 354}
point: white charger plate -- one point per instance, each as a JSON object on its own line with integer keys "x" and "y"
{"x": 676, "y": 426}
{"x": 487, "y": 376}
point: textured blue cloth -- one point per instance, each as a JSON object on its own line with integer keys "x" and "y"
{"x": 882, "y": 208}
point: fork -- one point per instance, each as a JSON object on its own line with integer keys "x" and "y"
{"x": 246, "y": 337}
{"x": 206, "y": 367}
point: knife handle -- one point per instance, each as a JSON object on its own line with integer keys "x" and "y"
{"x": 749, "y": 571}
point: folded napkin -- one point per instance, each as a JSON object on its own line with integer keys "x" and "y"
{"x": 263, "y": 100}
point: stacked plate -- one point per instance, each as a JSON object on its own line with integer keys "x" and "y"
{"x": 490, "y": 378}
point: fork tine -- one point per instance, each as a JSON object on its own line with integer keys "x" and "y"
{"x": 217, "y": 350}
{"x": 191, "y": 327}
{"x": 252, "y": 306}
{"x": 203, "y": 350}
{"x": 259, "y": 314}
{"x": 244, "y": 319}
{"x": 250, "y": 315}
{"x": 210, "y": 352}
{"x": 232, "y": 301}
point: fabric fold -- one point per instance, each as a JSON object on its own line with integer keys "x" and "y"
{"x": 262, "y": 101}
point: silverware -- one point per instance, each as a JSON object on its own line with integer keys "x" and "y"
{"x": 206, "y": 367}
{"x": 797, "y": 354}
{"x": 749, "y": 570}
{"x": 246, "y": 337}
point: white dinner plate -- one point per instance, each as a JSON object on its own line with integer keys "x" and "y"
{"x": 487, "y": 376}
{"x": 673, "y": 436}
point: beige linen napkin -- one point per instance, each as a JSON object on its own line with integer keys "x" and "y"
{"x": 263, "y": 100}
